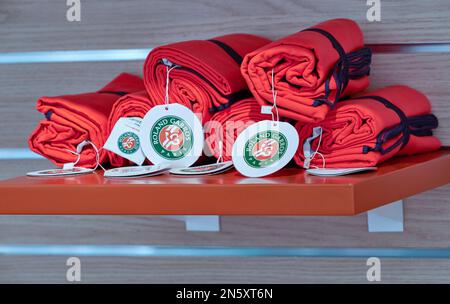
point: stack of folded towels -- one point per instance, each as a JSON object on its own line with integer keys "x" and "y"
{"x": 321, "y": 75}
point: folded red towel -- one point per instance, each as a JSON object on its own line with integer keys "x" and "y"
{"x": 367, "y": 130}
{"x": 71, "y": 119}
{"x": 312, "y": 69}
{"x": 207, "y": 77}
{"x": 226, "y": 125}
{"x": 131, "y": 105}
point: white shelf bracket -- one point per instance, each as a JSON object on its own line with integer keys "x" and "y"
{"x": 387, "y": 218}
{"x": 206, "y": 223}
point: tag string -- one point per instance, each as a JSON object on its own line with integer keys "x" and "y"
{"x": 166, "y": 98}
{"x": 274, "y": 98}
{"x": 316, "y": 152}
{"x": 80, "y": 147}
{"x": 220, "y": 144}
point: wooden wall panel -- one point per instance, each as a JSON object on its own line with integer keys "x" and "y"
{"x": 28, "y": 25}
{"x": 41, "y": 269}
{"x": 22, "y": 84}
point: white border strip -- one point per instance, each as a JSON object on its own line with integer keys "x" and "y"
{"x": 74, "y": 56}
{"x": 18, "y": 153}
{"x": 141, "y": 53}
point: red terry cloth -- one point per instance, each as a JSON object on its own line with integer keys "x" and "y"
{"x": 131, "y": 105}
{"x": 312, "y": 69}
{"x": 370, "y": 129}
{"x": 71, "y": 119}
{"x": 207, "y": 76}
{"x": 227, "y": 124}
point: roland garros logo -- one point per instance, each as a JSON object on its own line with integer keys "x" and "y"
{"x": 265, "y": 148}
{"x": 128, "y": 142}
{"x": 171, "y": 137}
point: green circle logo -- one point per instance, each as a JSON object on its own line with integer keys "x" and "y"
{"x": 265, "y": 148}
{"x": 128, "y": 142}
{"x": 171, "y": 137}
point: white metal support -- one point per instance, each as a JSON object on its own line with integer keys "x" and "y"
{"x": 206, "y": 223}
{"x": 387, "y": 218}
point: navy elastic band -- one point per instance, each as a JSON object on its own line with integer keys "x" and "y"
{"x": 48, "y": 115}
{"x": 120, "y": 93}
{"x": 353, "y": 65}
{"x": 420, "y": 125}
{"x": 229, "y": 50}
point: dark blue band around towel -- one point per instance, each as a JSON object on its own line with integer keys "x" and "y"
{"x": 231, "y": 98}
{"x": 353, "y": 65}
{"x": 421, "y": 125}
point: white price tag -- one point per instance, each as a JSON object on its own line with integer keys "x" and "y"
{"x": 338, "y": 172}
{"x": 124, "y": 139}
{"x": 137, "y": 171}
{"x": 204, "y": 170}
{"x": 171, "y": 134}
{"x": 60, "y": 172}
{"x": 264, "y": 148}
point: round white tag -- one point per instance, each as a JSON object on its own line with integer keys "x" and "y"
{"x": 338, "y": 172}
{"x": 137, "y": 171}
{"x": 264, "y": 148}
{"x": 204, "y": 170}
{"x": 60, "y": 172}
{"x": 171, "y": 134}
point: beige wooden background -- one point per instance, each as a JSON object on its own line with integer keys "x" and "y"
{"x": 41, "y": 26}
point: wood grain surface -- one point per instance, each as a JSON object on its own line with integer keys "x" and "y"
{"x": 41, "y": 269}
{"x": 28, "y": 25}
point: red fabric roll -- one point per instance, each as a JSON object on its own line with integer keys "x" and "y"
{"x": 312, "y": 69}
{"x": 131, "y": 105}
{"x": 227, "y": 124}
{"x": 207, "y": 77}
{"x": 71, "y": 119}
{"x": 367, "y": 130}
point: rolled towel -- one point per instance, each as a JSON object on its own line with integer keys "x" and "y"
{"x": 226, "y": 125}
{"x": 206, "y": 77}
{"x": 312, "y": 69}
{"x": 72, "y": 119}
{"x": 367, "y": 130}
{"x": 131, "y": 105}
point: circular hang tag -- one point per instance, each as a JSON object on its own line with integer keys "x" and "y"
{"x": 264, "y": 148}
{"x": 60, "y": 172}
{"x": 209, "y": 169}
{"x": 137, "y": 171}
{"x": 171, "y": 134}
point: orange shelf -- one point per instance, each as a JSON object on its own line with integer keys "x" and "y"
{"x": 289, "y": 192}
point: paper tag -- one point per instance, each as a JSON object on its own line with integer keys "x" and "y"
{"x": 338, "y": 172}
{"x": 60, "y": 172}
{"x": 68, "y": 166}
{"x": 124, "y": 139}
{"x": 307, "y": 147}
{"x": 205, "y": 169}
{"x": 266, "y": 110}
{"x": 137, "y": 171}
{"x": 171, "y": 134}
{"x": 264, "y": 148}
